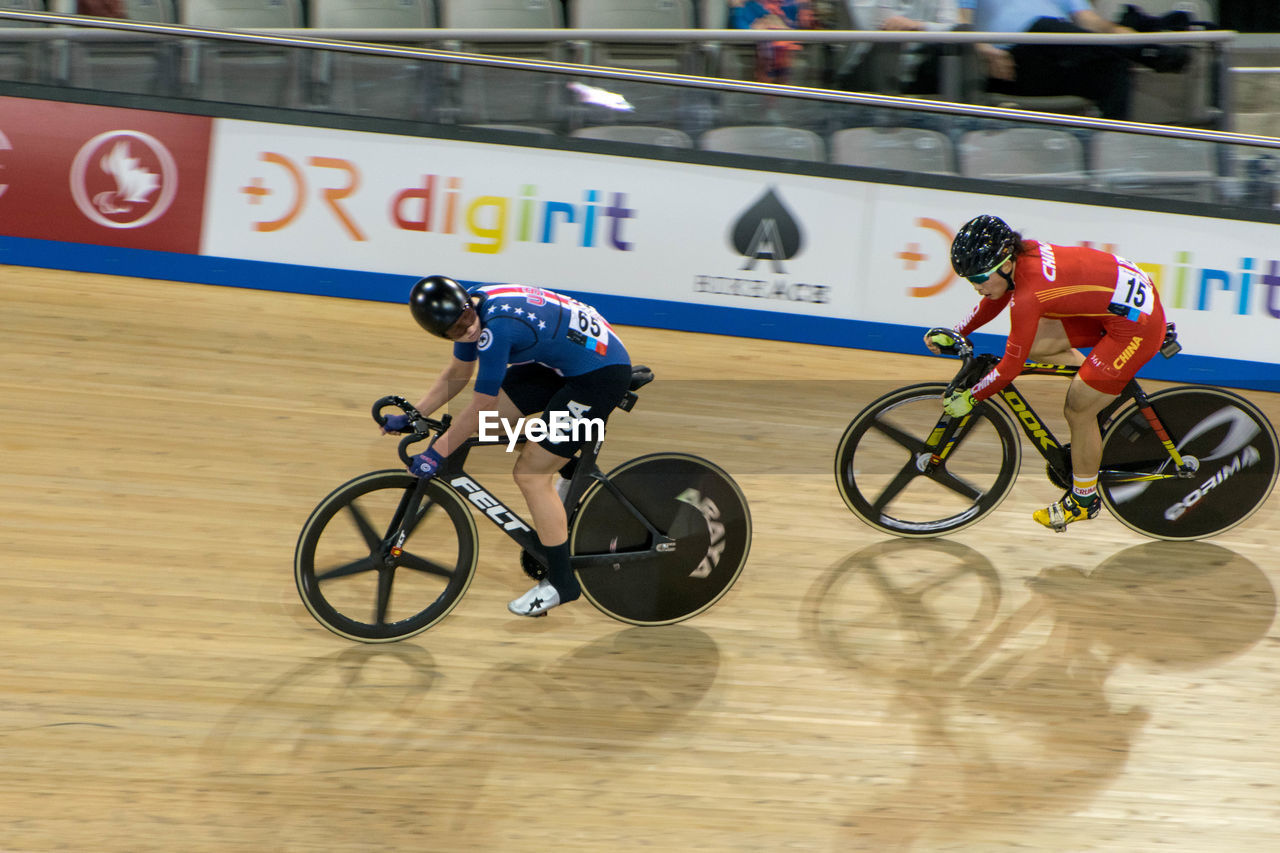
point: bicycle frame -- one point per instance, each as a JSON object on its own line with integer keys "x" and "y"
{"x": 947, "y": 435}
{"x": 1038, "y": 433}
{"x": 508, "y": 520}
{"x": 950, "y": 430}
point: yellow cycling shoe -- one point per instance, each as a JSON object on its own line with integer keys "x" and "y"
{"x": 1061, "y": 513}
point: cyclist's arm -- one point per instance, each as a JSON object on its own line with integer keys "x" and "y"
{"x": 983, "y": 313}
{"x": 493, "y": 361}
{"x": 451, "y": 381}
{"x": 1022, "y": 333}
{"x": 466, "y": 423}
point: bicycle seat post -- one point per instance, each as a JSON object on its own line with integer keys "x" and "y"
{"x": 584, "y": 470}
{"x": 585, "y": 467}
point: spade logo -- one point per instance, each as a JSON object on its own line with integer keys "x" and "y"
{"x": 767, "y": 231}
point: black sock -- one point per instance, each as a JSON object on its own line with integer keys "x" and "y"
{"x": 560, "y": 574}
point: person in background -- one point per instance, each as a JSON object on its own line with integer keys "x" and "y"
{"x": 773, "y": 58}
{"x": 1099, "y": 73}
{"x": 101, "y": 8}
{"x": 894, "y": 68}
{"x": 918, "y": 66}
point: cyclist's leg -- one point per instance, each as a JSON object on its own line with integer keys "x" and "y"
{"x": 1111, "y": 364}
{"x": 532, "y": 473}
{"x": 1084, "y": 403}
{"x": 1058, "y": 342}
{"x": 590, "y": 397}
{"x": 528, "y": 388}
{"x": 1082, "y": 501}
{"x": 1053, "y": 344}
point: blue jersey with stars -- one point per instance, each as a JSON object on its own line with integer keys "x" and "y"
{"x": 529, "y": 324}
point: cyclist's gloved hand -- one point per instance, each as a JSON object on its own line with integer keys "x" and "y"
{"x": 426, "y": 465}
{"x": 397, "y": 423}
{"x": 941, "y": 340}
{"x": 959, "y": 404}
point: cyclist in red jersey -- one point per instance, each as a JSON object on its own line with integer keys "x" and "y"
{"x": 1062, "y": 299}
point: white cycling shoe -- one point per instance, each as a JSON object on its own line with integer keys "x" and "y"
{"x": 537, "y": 601}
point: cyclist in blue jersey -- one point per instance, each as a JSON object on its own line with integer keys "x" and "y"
{"x": 536, "y": 351}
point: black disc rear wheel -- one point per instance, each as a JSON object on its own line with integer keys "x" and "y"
{"x": 685, "y": 498}
{"x": 1234, "y": 448}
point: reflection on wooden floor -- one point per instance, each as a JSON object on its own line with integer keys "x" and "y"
{"x": 164, "y": 689}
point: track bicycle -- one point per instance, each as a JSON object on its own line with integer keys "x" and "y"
{"x": 1185, "y": 462}
{"x": 386, "y": 555}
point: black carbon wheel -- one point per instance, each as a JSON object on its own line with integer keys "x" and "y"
{"x": 684, "y": 497}
{"x": 880, "y": 464}
{"x": 1232, "y": 443}
{"x": 350, "y": 589}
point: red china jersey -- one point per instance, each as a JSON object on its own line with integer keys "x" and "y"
{"x": 1094, "y": 293}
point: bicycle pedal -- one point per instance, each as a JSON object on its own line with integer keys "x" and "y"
{"x": 532, "y": 567}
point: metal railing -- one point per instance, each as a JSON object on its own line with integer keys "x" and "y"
{"x": 392, "y": 43}
{"x": 1241, "y": 157}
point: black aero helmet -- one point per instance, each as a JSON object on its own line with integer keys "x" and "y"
{"x": 981, "y": 245}
{"x": 437, "y": 302}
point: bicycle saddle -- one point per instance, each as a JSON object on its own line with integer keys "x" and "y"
{"x": 640, "y": 377}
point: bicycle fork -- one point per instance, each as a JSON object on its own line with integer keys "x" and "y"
{"x": 947, "y": 433}
{"x": 406, "y": 518}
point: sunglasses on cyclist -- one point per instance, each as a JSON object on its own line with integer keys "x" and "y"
{"x": 462, "y": 324}
{"x": 981, "y": 277}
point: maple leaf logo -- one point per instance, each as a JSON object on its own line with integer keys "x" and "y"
{"x": 134, "y": 182}
{"x": 124, "y": 179}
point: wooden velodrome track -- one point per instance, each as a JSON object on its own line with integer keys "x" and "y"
{"x": 164, "y": 689}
